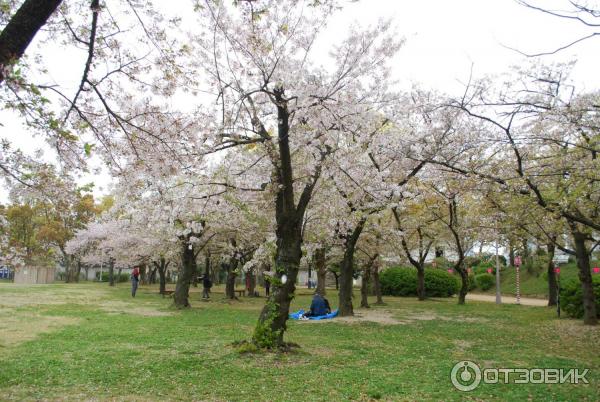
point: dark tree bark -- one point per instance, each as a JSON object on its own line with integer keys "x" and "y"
{"x": 143, "y": 274}
{"x": 207, "y": 265}
{"x": 418, "y": 262}
{"x": 421, "y": 283}
{"x": 347, "y": 269}
{"x": 585, "y": 276}
{"x": 161, "y": 267}
{"x": 78, "y": 270}
{"x": 68, "y": 265}
{"x": 232, "y": 272}
{"x": 187, "y": 271}
{"x": 111, "y": 272}
{"x": 321, "y": 268}
{"x": 452, "y": 224}
{"x": 22, "y": 28}
{"x": 377, "y": 284}
{"x": 336, "y": 277}
{"x": 289, "y": 218}
{"x": 364, "y": 287}
{"x": 251, "y": 282}
{"x": 552, "y": 285}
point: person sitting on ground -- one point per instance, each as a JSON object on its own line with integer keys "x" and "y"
{"x": 318, "y": 307}
{"x": 327, "y": 306}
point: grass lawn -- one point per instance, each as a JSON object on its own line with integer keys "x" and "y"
{"x": 88, "y": 341}
{"x": 533, "y": 285}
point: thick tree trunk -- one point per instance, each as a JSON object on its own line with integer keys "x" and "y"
{"x": 184, "y": 279}
{"x": 464, "y": 288}
{"x": 251, "y": 282}
{"x": 289, "y": 217}
{"x": 585, "y": 276}
{"x": 230, "y": 281}
{"x": 377, "y": 284}
{"x": 68, "y": 265}
{"x": 364, "y": 287}
{"x": 22, "y": 28}
{"x": 162, "y": 278}
{"x": 152, "y": 279}
{"x": 272, "y": 322}
{"x": 552, "y": 285}
{"x": 161, "y": 268}
{"x": 78, "y": 270}
{"x": 421, "y": 282}
{"x": 231, "y": 272}
{"x": 111, "y": 272}
{"x": 321, "y": 268}
{"x": 143, "y": 274}
{"x": 347, "y": 271}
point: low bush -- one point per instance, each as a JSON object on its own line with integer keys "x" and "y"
{"x": 402, "y": 281}
{"x": 485, "y": 281}
{"x": 118, "y": 278}
{"x": 471, "y": 282}
{"x": 571, "y": 297}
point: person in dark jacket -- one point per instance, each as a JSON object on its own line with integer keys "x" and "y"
{"x": 319, "y": 306}
{"x": 135, "y": 280}
{"x": 206, "y": 285}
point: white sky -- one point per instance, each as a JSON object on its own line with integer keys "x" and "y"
{"x": 443, "y": 39}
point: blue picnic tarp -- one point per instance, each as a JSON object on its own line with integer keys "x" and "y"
{"x": 300, "y": 313}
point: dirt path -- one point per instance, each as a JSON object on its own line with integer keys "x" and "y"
{"x": 526, "y": 301}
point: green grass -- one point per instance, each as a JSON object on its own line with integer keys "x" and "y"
{"x": 116, "y": 348}
{"x": 532, "y": 285}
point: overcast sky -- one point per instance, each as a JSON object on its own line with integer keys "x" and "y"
{"x": 443, "y": 40}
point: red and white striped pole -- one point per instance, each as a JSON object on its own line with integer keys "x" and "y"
{"x": 518, "y": 278}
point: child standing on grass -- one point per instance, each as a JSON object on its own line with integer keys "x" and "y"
{"x": 135, "y": 278}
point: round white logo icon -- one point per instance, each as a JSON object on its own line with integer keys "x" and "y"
{"x": 465, "y": 376}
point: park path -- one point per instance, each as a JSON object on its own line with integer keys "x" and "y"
{"x": 526, "y": 301}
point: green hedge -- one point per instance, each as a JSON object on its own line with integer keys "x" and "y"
{"x": 571, "y": 297}
{"x": 402, "y": 281}
{"x": 122, "y": 278}
{"x": 485, "y": 281}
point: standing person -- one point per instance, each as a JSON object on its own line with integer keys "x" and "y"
{"x": 206, "y": 285}
{"x": 135, "y": 279}
{"x": 266, "y": 278}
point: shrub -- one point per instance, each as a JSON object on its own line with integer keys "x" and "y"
{"x": 440, "y": 283}
{"x": 472, "y": 261}
{"x": 471, "y": 282}
{"x": 399, "y": 281}
{"x": 483, "y": 269}
{"x": 535, "y": 265}
{"x": 571, "y": 298}
{"x": 402, "y": 281}
{"x": 485, "y": 281}
{"x": 121, "y": 278}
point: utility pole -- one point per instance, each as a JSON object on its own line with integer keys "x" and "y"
{"x": 518, "y": 278}
{"x": 498, "y": 294}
